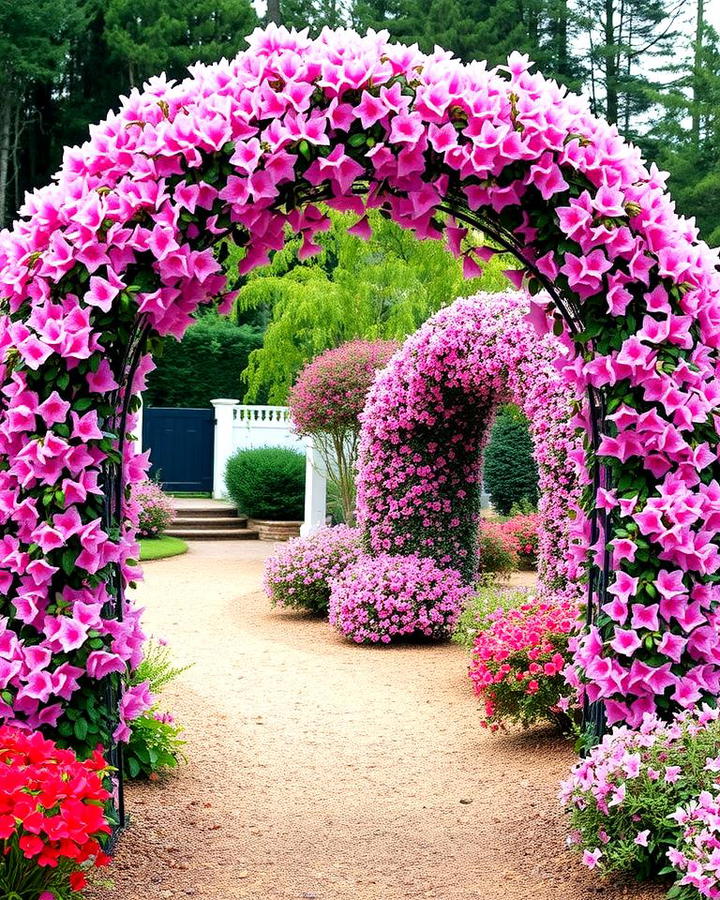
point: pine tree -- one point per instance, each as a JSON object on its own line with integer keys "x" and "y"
{"x": 34, "y": 40}
{"x": 624, "y": 38}
{"x": 692, "y": 155}
{"x": 150, "y": 36}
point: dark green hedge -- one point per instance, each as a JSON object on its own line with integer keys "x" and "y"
{"x": 206, "y": 365}
{"x": 267, "y": 483}
{"x": 511, "y": 474}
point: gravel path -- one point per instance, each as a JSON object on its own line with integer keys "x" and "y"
{"x": 318, "y": 769}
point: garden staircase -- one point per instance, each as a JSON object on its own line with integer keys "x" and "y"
{"x": 209, "y": 520}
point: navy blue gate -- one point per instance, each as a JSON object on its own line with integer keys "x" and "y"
{"x": 181, "y": 444}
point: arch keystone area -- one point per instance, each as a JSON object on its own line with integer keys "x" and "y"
{"x": 127, "y": 243}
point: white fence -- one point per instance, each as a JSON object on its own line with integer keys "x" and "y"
{"x": 239, "y": 427}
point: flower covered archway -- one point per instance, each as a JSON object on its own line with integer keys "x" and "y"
{"x": 428, "y": 417}
{"x": 127, "y": 243}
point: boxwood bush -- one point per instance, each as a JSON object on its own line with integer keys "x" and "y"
{"x": 267, "y": 483}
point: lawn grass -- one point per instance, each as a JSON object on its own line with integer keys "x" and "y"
{"x": 161, "y": 548}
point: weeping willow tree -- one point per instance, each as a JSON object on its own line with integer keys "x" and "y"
{"x": 384, "y": 287}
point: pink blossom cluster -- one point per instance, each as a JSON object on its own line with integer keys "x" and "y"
{"x": 381, "y": 598}
{"x": 155, "y": 512}
{"x": 641, "y": 791}
{"x": 428, "y": 418}
{"x": 518, "y": 659}
{"x": 497, "y": 549}
{"x": 525, "y": 529}
{"x": 299, "y": 573}
{"x": 697, "y": 856}
{"x": 329, "y": 393}
{"x": 121, "y": 245}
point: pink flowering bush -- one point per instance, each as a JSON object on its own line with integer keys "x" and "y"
{"x": 643, "y": 798}
{"x": 329, "y": 393}
{"x": 119, "y": 249}
{"x": 498, "y": 550}
{"x": 518, "y": 658}
{"x": 525, "y": 530}
{"x": 156, "y": 512}
{"x": 696, "y": 856}
{"x": 427, "y": 421}
{"x": 382, "y": 598}
{"x": 299, "y": 573}
{"x": 326, "y": 402}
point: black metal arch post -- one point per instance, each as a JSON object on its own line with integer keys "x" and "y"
{"x": 113, "y": 483}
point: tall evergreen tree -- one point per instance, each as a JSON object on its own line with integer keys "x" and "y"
{"x": 34, "y": 41}
{"x": 150, "y": 36}
{"x": 692, "y": 154}
{"x": 625, "y": 38}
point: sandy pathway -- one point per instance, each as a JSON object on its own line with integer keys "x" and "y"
{"x": 318, "y": 769}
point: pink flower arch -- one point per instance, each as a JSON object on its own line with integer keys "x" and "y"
{"x": 128, "y": 240}
{"x": 428, "y": 417}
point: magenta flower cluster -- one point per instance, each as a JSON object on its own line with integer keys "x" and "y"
{"x": 120, "y": 247}
{"x": 329, "y": 393}
{"x": 647, "y": 796}
{"x": 155, "y": 510}
{"x": 696, "y": 858}
{"x": 299, "y": 573}
{"x": 381, "y": 598}
{"x": 428, "y": 417}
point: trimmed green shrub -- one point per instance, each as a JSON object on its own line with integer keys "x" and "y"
{"x": 267, "y": 483}
{"x": 511, "y": 474}
{"x": 205, "y": 366}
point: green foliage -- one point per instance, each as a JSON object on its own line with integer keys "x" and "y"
{"x": 151, "y": 36}
{"x": 385, "y": 287}
{"x": 511, "y": 475}
{"x": 155, "y": 745}
{"x": 155, "y": 739}
{"x": 490, "y": 596}
{"x": 267, "y": 483}
{"x": 157, "y": 667}
{"x": 205, "y": 366}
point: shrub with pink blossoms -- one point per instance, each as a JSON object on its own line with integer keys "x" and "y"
{"x": 518, "y": 658}
{"x": 379, "y": 599}
{"x": 525, "y": 530}
{"x": 497, "y": 550}
{"x": 696, "y": 856}
{"x": 299, "y": 573}
{"x": 156, "y": 512}
{"x": 633, "y": 800}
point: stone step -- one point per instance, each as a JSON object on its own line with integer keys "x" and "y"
{"x": 208, "y": 534}
{"x": 206, "y": 512}
{"x": 210, "y": 522}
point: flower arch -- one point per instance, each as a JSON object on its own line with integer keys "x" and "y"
{"x": 127, "y": 243}
{"x": 428, "y": 417}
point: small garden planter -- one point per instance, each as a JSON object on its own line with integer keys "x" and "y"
{"x": 269, "y": 530}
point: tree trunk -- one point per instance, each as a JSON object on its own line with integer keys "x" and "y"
{"x": 5, "y": 118}
{"x": 697, "y": 69}
{"x": 561, "y": 38}
{"x": 610, "y": 50}
{"x": 273, "y": 12}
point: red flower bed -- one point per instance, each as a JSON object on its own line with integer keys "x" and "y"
{"x": 52, "y": 816}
